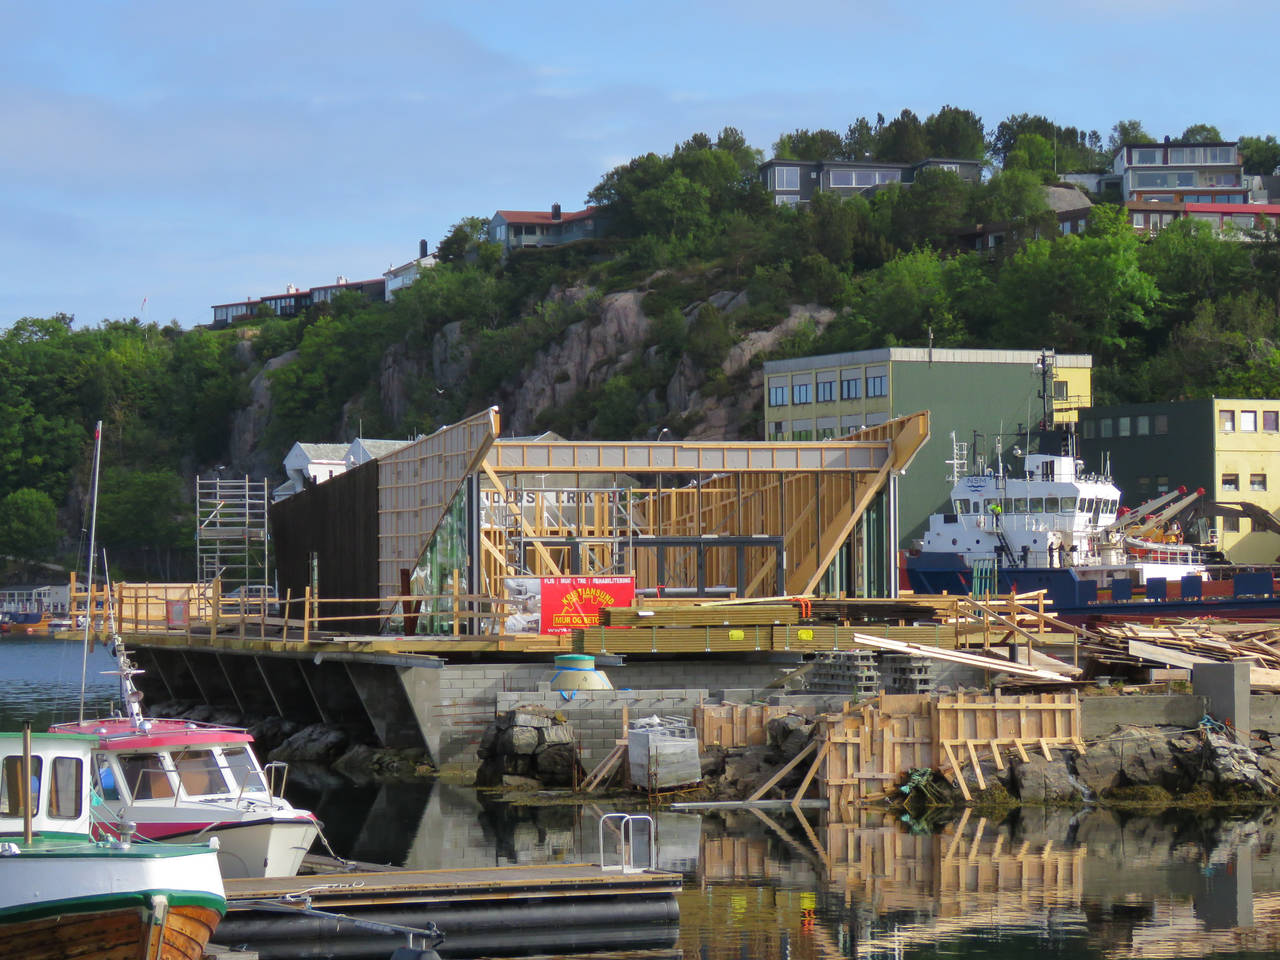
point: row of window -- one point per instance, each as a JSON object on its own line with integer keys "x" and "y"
{"x": 1247, "y": 421}
{"x": 1137, "y": 426}
{"x": 1154, "y": 156}
{"x": 850, "y": 389}
{"x": 1184, "y": 178}
{"x": 64, "y": 795}
{"x": 1231, "y": 482}
{"x": 1009, "y": 505}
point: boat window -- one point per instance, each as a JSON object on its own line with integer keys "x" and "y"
{"x": 1020, "y": 505}
{"x": 1037, "y": 504}
{"x": 962, "y": 506}
{"x": 988, "y": 503}
{"x": 67, "y": 788}
{"x": 1086, "y": 504}
{"x": 244, "y": 772}
{"x": 145, "y": 777}
{"x": 977, "y": 507}
{"x": 107, "y": 781}
{"x": 11, "y": 784}
{"x": 1068, "y": 504}
{"x": 199, "y": 772}
{"x": 1050, "y": 504}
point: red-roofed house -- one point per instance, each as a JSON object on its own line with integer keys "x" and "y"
{"x": 542, "y": 228}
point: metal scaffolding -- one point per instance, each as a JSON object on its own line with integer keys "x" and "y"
{"x": 232, "y": 538}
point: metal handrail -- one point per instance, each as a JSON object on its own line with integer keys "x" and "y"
{"x": 626, "y": 834}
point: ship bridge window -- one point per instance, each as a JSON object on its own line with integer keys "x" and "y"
{"x": 1068, "y": 504}
{"x": 244, "y": 773}
{"x": 1020, "y": 505}
{"x": 200, "y": 773}
{"x": 144, "y": 776}
{"x": 1051, "y": 504}
{"x": 1037, "y": 504}
{"x": 962, "y": 506}
{"x": 988, "y": 504}
{"x": 1086, "y": 504}
{"x": 1006, "y": 505}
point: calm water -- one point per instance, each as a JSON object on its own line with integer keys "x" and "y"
{"x": 1042, "y": 884}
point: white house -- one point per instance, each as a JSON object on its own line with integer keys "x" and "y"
{"x": 398, "y": 278}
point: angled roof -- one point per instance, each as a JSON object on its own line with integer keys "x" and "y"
{"x": 323, "y": 451}
{"x": 379, "y": 448}
{"x": 544, "y": 216}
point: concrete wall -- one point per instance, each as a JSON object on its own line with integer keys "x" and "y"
{"x": 1264, "y": 709}
{"x": 596, "y": 715}
{"x": 1099, "y": 716}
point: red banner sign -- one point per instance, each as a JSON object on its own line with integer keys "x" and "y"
{"x": 573, "y": 603}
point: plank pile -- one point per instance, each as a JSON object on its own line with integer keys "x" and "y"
{"x": 1187, "y": 643}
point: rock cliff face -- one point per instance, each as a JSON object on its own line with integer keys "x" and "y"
{"x": 615, "y": 334}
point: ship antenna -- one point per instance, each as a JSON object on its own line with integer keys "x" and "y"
{"x": 959, "y": 461}
{"x": 130, "y": 696}
{"x": 88, "y": 587}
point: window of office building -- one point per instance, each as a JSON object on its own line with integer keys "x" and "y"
{"x": 1161, "y": 424}
{"x": 1162, "y": 484}
{"x": 1230, "y": 524}
{"x": 1257, "y": 481}
{"x": 1059, "y": 389}
{"x": 850, "y": 386}
{"x": 802, "y": 393}
{"x": 1271, "y": 421}
{"x": 1088, "y": 428}
{"x": 877, "y": 382}
{"x": 1226, "y": 420}
{"x": 1230, "y": 482}
{"x": 775, "y": 429}
{"x": 1142, "y": 425}
{"x": 1122, "y": 426}
{"x": 777, "y": 394}
{"x": 1248, "y": 421}
{"x": 826, "y": 391}
{"x": 1106, "y": 428}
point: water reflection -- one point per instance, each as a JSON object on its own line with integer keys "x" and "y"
{"x": 1040, "y": 883}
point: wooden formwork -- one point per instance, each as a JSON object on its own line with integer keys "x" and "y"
{"x": 735, "y": 724}
{"x": 866, "y": 751}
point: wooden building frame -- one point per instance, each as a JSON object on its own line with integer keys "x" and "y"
{"x": 467, "y": 512}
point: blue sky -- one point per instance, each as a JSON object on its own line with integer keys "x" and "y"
{"x": 197, "y": 154}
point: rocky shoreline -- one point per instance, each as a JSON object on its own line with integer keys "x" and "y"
{"x": 533, "y": 749}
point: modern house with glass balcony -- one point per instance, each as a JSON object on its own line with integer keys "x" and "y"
{"x": 983, "y": 396}
{"x": 793, "y": 182}
{"x": 1181, "y": 172}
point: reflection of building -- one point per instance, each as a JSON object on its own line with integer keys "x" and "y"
{"x": 463, "y": 512}
{"x": 978, "y": 394}
{"x": 1231, "y": 448}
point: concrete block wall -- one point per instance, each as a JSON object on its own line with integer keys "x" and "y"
{"x": 467, "y": 697}
{"x": 1265, "y": 710}
{"x": 596, "y": 715}
{"x": 709, "y": 675}
{"x": 1099, "y": 716}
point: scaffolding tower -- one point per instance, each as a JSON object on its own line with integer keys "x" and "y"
{"x": 232, "y": 537}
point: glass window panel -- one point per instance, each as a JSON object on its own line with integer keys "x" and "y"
{"x": 1020, "y": 505}
{"x": 1037, "y": 505}
{"x": 243, "y": 771}
{"x": 11, "y": 784}
{"x": 145, "y": 777}
{"x": 1226, "y": 420}
{"x": 1105, "y": 428}
{"x": 1230, "y": 482}
{"x": 1248, "y": 421}
{"x": 1068, "y": 505}
{"x": 786, "y": 178}
{"x": 1257, "y": 481}
{"x": 66, "y": 789}
{"x": 1051, "y": 505}
{"x": 199, "y": 772}
{"x": 1161, "y": 423}
{"x": 1122, "y": 426}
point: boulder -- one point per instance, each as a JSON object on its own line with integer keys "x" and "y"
{"x": 1045, "y": 781}
{"x": 316, "y": 743}
{"x": 519, "y": 740}
{"x": 556, "y": 765}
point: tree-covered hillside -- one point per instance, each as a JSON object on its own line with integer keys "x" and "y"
{"x": 714, "y": 263}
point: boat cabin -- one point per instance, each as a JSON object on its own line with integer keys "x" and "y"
{"x": 58, "y": 781}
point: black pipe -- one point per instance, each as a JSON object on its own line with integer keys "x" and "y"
{"x": 505, "y": 942}
{"x": 599, "y": 912}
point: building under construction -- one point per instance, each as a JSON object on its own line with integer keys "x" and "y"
{"x": 465, "y": 517}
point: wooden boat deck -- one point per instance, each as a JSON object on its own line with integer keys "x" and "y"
{"x": 391, "y": 886}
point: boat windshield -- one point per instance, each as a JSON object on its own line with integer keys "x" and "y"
{"x": 245, "y": 774}
{"x": 145, "y": 777}
{"x": 199, "y": 772}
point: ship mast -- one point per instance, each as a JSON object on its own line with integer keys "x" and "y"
{"x": 88, "y": 585}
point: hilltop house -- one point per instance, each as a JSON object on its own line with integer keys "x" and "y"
{"x": 293, "y": 301}
{"x": 542, "y": 228}
{"x": 397, "y": 278}
{"x": 795, "y": 182}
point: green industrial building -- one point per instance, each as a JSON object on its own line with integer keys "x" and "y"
{"x": 979, "y": 395}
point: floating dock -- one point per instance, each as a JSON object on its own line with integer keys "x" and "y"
{"x": 558, "y": 908}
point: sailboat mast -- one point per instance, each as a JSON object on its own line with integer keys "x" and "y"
{"x": 88, "y": 584}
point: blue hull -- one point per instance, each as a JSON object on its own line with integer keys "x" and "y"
{"x": 1076, "y": 600}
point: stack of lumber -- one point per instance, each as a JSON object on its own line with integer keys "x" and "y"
{"x": 1187, "y": 643}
